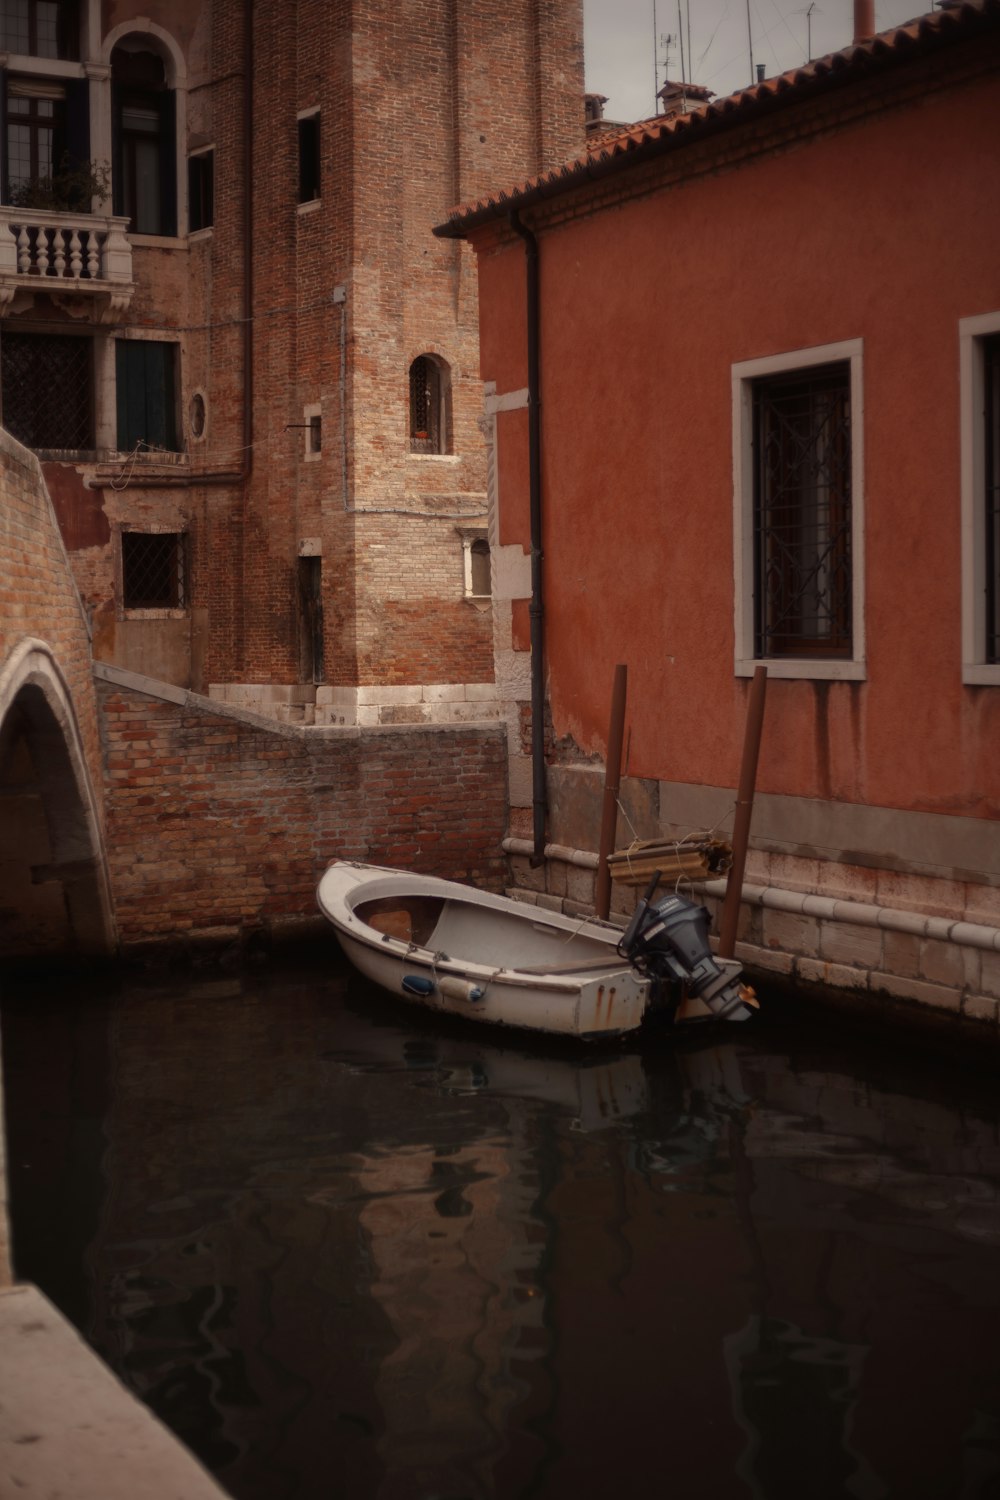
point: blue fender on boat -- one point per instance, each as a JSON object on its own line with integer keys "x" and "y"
{"x": 450, "y": 986}
{"x": 417, "y": 984}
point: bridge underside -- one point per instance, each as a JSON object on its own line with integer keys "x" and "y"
{"x": 54, "y": 899}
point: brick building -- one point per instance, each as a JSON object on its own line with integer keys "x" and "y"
{"x": 252, "y": 374}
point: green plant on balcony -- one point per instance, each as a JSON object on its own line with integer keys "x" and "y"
{"x": 69, "y": 189}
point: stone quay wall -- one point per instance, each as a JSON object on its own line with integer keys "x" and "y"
{"x": 881, "y": 907}
{"x": 220, "y": 822}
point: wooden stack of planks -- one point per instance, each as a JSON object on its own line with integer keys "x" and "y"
{"x": 697, "y": 857}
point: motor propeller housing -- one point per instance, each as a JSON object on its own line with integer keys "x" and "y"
{"x": 668, "y": 941}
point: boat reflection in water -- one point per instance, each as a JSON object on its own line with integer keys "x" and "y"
{"x": 350, "y": 1251}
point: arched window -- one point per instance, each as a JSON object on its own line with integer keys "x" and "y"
{"x": 430, "y": 405}
{"x": 143, "y": 139}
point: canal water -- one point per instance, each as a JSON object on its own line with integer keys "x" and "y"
{"x": 344, "y": 1250}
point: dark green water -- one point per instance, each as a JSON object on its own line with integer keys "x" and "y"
{"x": 344, "y": 1251}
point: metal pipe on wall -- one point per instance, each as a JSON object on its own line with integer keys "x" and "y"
{"x": 536, "y": 613}
{"x": 612, "y": 785}
{"x": 744, "y": 810}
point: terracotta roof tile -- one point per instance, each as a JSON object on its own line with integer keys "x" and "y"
{"x": 607, "y": 154}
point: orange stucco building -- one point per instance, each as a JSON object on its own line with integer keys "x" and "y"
{"x": 765, "y": 371}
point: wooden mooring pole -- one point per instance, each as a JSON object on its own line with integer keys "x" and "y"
{"x": 612, "y": 783}
{"x": 744, "y": 808}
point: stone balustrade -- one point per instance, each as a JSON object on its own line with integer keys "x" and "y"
{"x": 76, "y": 254}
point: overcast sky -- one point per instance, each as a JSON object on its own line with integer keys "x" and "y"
{"x": 619, "y": 37}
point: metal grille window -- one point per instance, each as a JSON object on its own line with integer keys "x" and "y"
{"x": 47, "y": 386}
{"x": 429, "y": 406}
{"x": 802, "y": 513}
{"x": 991, "y": 467}
{"x": 153, "y": 570}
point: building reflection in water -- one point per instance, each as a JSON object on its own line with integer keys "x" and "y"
{"x": 343, "y": 1250}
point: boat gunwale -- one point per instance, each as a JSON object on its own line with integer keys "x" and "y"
{"x": 362, "y": 886}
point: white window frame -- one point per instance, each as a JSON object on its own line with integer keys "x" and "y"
{"x": 976, "y": 670}
{"x": 744, "y": 374}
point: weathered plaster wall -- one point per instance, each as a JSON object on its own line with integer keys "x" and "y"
{"x": 849, "y": 233}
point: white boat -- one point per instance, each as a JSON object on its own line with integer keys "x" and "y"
{"x": 471, "y": 953}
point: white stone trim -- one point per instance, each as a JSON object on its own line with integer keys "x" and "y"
{"x": 975, "y": 670}
{"x": 172, "y": 53}
{"x": 743, "y": 375}
{"x": 425, "y": 703}
{"x": 510, "y": 401}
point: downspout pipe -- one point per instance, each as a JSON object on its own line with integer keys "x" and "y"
{"x": 536, "y": 613}
{"x": 248, "y": 239}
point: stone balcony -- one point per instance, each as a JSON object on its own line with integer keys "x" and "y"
{"x": 82, "y": 261}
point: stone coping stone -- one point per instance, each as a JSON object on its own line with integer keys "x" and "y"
{"x": 68, "y": 1427}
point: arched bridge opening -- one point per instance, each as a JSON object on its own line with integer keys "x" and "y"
{"x": 54, "y": 894}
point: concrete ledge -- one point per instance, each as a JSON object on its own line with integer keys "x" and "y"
{"x": 68, "y": 1427}
{"x": 168, "y": 692}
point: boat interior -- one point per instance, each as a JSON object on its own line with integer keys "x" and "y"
{"x": 482, "y": 934}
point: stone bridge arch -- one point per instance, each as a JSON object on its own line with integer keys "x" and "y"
{"x": 55, "y": 897}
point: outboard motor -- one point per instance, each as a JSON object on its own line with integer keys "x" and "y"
{"x": 669, "y": 943}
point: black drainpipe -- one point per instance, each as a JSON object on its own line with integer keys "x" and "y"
{"x": 536, "y": 613}
{"x": 248, "y": 240}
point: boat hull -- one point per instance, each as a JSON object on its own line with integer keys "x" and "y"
{"x": 469, "y": 953}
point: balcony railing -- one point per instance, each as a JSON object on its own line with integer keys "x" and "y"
{"x": 64, "y": 254}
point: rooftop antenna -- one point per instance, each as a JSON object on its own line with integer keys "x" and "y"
{"x": 809, "y": 31}
{"x": 665, "y": 42}
{"x": 753, "y": 71}
{"x": 680, "y": 28}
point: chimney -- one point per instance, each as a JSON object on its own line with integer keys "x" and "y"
{"x": 864, "y": 20}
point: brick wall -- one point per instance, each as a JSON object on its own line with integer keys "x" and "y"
{"x": 420, "y": 106}
{"x": 38, "y": 596}
{"x": 54, "y": 892}
{"x": 220, "y": 825}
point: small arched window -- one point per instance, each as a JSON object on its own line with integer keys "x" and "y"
{"x": 479, "y": 568}
{"x": 430, "y": 405}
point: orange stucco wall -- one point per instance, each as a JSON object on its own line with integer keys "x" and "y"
{"x": 883, "y": 230}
